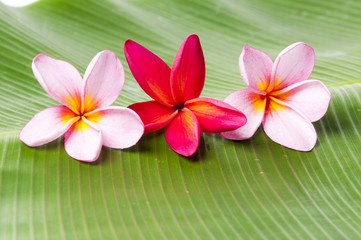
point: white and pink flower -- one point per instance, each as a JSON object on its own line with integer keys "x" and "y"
{"x": 280, "y": 96}
{"x": 85, "y": 117}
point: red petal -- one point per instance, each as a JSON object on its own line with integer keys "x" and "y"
{"x": 216, "y": 116}
{"x": 154, "y": 115}
{"x": 188, "y": 70}
{"x": 151, "y": 73}
{"x": 183, "y": 133}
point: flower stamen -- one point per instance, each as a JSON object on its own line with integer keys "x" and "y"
{"x": 179, "y": 107}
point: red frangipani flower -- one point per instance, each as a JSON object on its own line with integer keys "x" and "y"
{"x": 176, "y": 91}
{"x": 85, "y": 117}
{"x": 280, "y": 96}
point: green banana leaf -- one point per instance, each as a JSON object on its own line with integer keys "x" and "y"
{"x": 253, "y": 189}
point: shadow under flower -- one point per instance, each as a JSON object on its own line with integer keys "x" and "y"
{"x": 145, "y": 143}
{"x": 104, "y": 156}
{"x": 199, "y": 155}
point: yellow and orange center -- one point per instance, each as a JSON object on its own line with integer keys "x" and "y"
{"x": 270, "y": 99}
{"x": 81, "y": 111}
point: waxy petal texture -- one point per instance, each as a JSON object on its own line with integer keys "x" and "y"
{"x": 310, "y": 97}
{"x": 287, "y": 105}
{"x": 85, "y": 106}
{"x": 215, "y": 116}
{"x": 153, "y": 114}
{"x": 253, "y": 106}
{"x": 294, "y": 64}
{"x": 151, "y": 73}
{"x": 289, "y": 127}
{"x": 120, "y": 127}
{"x": 59, "y": 79}
{"x": 83, "y": 141}
{"x": 183, "y": 133}
{"x": 255, "y": 67}
{"x": 187, "y": 114}
{"x": 188, "y": 70}
{"x": 47, "y": 125}
{"x": 103, "y": 81}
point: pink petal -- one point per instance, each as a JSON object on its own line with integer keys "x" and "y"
{"x": 188, "y": 70}
{"x": 215, "y": 116}
{"x": 47, "y": 125}
{"x": 288, "y": 127}
{"x": 255, "y": 67}
{"x": 294, "y": 64}
{"x": 120, "y": 127}
{"x": 309, "y": 97}
{"x": 253, "y": 106}
{"x": 59, "y": 79}
{"x": 103, "y": 81}
{"x": 151, "y": 73}
{"x": 83, "y": 141}
{"x": 154, "y": 115}
{"x": 183, "y": 133}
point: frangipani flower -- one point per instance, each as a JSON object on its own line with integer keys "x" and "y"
{"x": 280, "y": 96}
{"x": 176, "y": 91}
{"x": 86, "y": 118}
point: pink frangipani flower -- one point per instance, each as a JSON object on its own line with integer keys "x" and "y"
{"x": 176, "y": 91}
{"x": 280, "y": 96}
{"x": 85, "y": 117}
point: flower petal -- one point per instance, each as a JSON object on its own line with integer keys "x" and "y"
{"x": 215, "y": 116}
{"x": 294, "y": 64}
{"x": 253, "y": 106}
{"x": 288, "y": 127}
{"x": 153, "y": 114}
{"x": 188, "y": 70}
{"x": 47, "y": 125}
{"x": 255, "y": 67}
{"x": 103, "y": 81}
{"x": 83, "y": 141}
{"x": 310, "y": 97}
{"x": 183, "y": 133}
{"x": 59, "y": 79}
{"x": 151, "y": 73}
{"x": 121, "y": 127}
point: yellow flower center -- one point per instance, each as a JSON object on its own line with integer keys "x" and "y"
{"x": 270, "y": 99}
{"x": 81, "y": 111}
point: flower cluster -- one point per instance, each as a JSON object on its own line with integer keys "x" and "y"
{"x": 278, "y": 95}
